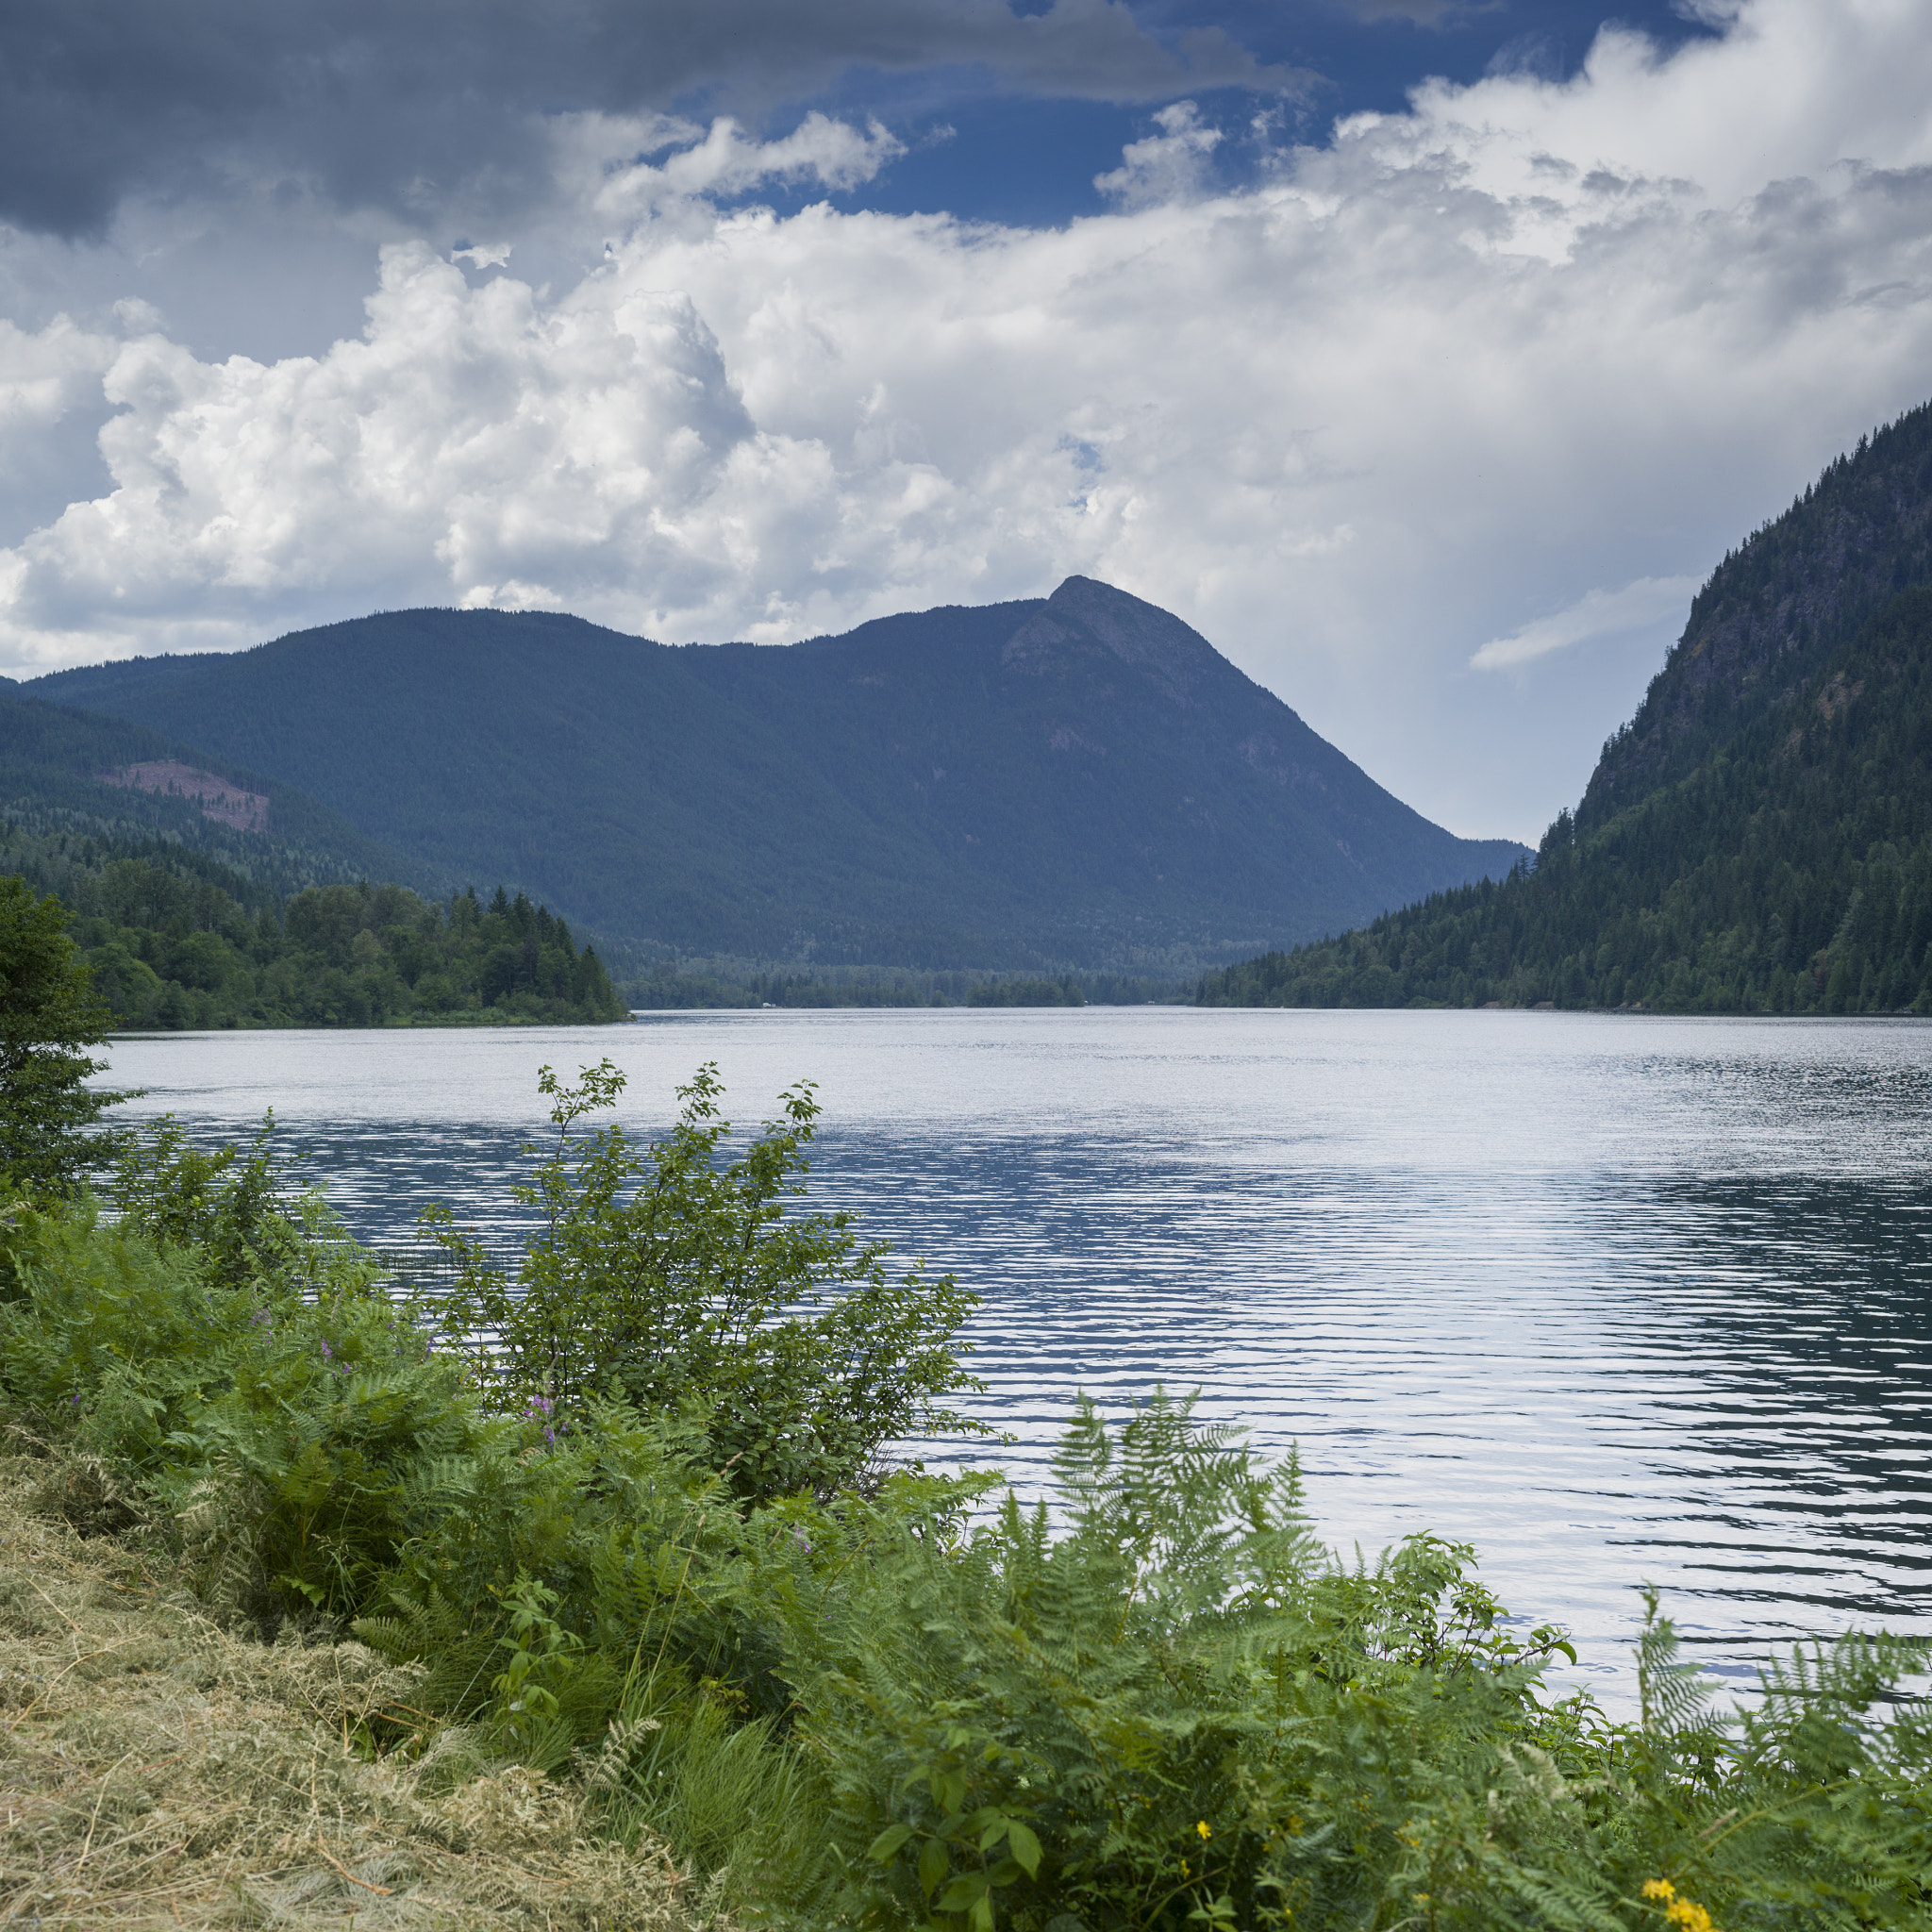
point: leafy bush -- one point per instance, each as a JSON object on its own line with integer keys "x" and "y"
{"x": 239, "y": 1214}
{"x": 675, "y": 1280}
{"x": 1076, "y": 1727}
{"x": 227, "y": 1350}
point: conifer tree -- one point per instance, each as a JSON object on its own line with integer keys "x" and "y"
{"x": 50, "y": 1014}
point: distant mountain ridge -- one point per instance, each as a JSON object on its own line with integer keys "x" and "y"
{"x": 1076, "y": 781}
{"x": 1758, "y": 838}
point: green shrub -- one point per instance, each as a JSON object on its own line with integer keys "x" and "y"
{"x": 50, "y": 1015}
{"x": 1172, "y": 1707}
{"x": 238, "y": 1213}
{"x": 280, "y": 1418}
{"x": 675, "y": 1280}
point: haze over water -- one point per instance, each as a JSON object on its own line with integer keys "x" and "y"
{"x": 1616, "y": 1299}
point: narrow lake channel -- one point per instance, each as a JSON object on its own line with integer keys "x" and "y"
{"x": 1616, "y": 1299}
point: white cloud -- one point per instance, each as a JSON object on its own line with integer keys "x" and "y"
{"x": 1460, "y": 363}
{"x": 722, "y": 162}
{"x": 1167, "y": 166}
{"x": 1595, "y": 614}
{"x": 48, "y": 373}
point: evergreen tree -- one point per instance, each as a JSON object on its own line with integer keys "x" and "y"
{"x": 50, "y": 1014}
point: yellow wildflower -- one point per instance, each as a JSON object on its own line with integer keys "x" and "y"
{"x": 1202, "y": 1829}
{"x": 1683, "y": 1914}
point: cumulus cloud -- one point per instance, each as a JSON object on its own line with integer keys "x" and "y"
{"x": 1353, "y": 421}
{"x": 1167, "y": 166}
{"x": 721, "y": 162}
{"x": 51, "y": 404}
{"x": 45, "y": 374}
{"x": 1597, "y": 613}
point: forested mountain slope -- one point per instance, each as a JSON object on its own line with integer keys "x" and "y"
{"x": 1777, "y": 610}
{"x": 68, "y": 776}
{"x": 172, "y": 952}
{"x": 1080, "y": 781}
{"x": 1775, "y": 851}
{"x": 204, "y": 895}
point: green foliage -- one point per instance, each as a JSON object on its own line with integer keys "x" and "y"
{"x": 1757, "y": 840}
{"x": 1027, "y": 993}
{"x": 1792, "y": 874}
{"x": 50, "y": 1014}
{"x": 733, "y": 1793}
{"x": 734, "y": 983}
{"x": 290, "y": 1422}
{"x": 675, "y": 1280}
{"x": 1777, "y": 610}
{"x": 64, "y": 811}
{"x": 1091, "y": 1725}
{"x": 174, "y": 940}
{"x": 236, "y": 1212}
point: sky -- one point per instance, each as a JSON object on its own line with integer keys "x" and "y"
{"x": 1425, "y": 355}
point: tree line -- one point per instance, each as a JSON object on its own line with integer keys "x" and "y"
{"x": 174, "y": 939}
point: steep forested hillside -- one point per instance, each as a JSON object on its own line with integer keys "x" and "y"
{"x": 1757, "y": 840}
{"x": 1081, "y": 782}
{"x": 204, "y": 895}
{"x": 68, "y": 775}
{"x": 1777, "y": 610}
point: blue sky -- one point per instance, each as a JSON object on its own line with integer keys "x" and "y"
{"x": 1425, "y": 356}
{"x": 981, "y": 151}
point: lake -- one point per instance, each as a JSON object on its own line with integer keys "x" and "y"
{"x": 1615, "y": 1298}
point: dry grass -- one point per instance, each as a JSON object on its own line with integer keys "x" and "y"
{"x": 156, "y": 1770}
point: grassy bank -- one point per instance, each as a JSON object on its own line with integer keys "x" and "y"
{"x": 602, "y": 1573}
{"x": 160, "y": 1767}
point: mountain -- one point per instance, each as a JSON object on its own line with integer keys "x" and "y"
{"x": 68, "y": 779}
{"x": 1079, "y": 781}
{"x": 1758, "y": 838}
{"x": 203, "y": 895}
{"x": 1776, "y": 611}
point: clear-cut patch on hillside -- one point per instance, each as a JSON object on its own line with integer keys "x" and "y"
{"x": 246, "y": 811}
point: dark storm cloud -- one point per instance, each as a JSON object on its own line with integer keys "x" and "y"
{"x": 435, "y": 106}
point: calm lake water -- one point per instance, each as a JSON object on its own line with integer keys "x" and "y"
{"x": 1616, "y": 1299}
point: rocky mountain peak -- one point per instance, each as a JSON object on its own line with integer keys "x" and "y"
{"x": 1178, "y": 657}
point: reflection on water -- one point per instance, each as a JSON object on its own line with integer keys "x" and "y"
{"x": 1614, "y": 1299}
